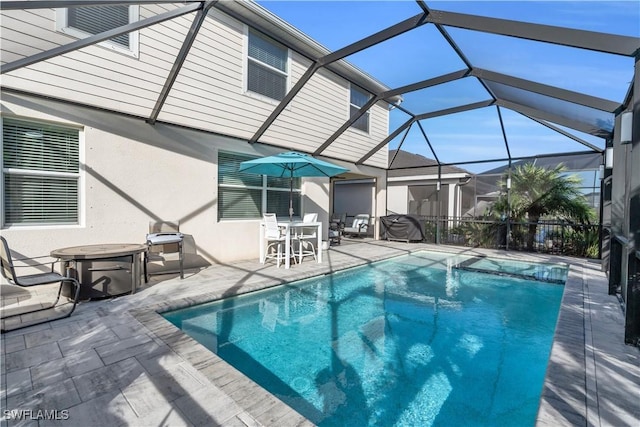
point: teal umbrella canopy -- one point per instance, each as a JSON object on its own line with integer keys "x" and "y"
{"x": 291, "y": 165}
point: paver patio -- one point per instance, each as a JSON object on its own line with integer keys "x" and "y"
{"x": 117, "y": 362}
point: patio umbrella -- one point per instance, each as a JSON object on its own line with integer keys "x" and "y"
{"x": 291, "y": 165}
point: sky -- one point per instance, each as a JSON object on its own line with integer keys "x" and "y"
{"x": 423, "y": 53}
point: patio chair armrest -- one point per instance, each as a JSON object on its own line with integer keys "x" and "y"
{"x": 35, "y": 264}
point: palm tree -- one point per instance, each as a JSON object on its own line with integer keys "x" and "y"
{"x": 536, "y": 192}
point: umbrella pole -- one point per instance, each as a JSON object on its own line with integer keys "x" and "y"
{"x": 291, "y": 196}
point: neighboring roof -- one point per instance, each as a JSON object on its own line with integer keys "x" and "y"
{"x": 590, "y": 161}
{"x": 409, "y": 164}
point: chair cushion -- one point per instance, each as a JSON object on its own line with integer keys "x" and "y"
{"x": 164, "y": 238}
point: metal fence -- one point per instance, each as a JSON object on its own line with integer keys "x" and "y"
{"x": 554, "y": 237}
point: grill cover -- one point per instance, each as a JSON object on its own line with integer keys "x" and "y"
{"x": 401, "y": 227}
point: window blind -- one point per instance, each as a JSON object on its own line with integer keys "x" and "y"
{"x": 241, "y": 194}
{"x": 41, "y": 147}
{"x": 40, "y": 173}
{"x": 239, "y": 203}
{"x": 277, "y": 182}
{"x": 267, "y": 51}
{"x": 363, "y": 122}
{"x": 358, "y": 99}
{"x": 228, "y": 165}
{"x": 40, "y": 200}
{"x": 97, "y": 19}
{"x": 278, "y": 202}
{"x": 267, "y": 67}
{"x": 266, "y": 82}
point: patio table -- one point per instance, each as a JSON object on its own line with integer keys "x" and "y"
{"x": 103, "y": 270}
{"x": 289, "y": 226}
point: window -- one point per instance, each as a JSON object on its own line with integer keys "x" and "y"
{"x": 358, "y": 99}
{"x": 83, "y": 21}
{"x": 266, "y": 67}
{"x": 246, "y": 195}
{"x": 41, "y": 173}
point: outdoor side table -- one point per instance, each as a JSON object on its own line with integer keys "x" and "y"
{"x": 103, "y": 270}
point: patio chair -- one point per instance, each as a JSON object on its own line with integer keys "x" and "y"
{"x": 275, "y": 238}
{"x": 306, "y": 236}
{"x": 164, "y": 237}
{"x": 336, "y": 227}
{"x": 359, "y": 227}
{"x": 9, "y": 272}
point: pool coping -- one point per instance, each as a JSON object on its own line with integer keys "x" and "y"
{"x": 262, "y": 407}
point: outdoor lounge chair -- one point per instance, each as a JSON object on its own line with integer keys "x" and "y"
{"x": 359, "y": 227}
{"x": 163, "y": 237}
{"x": 27, "y": 281}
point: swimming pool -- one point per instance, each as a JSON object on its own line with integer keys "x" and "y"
{"x": 407, "y": 341}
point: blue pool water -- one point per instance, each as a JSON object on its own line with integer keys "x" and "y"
{"x": 411, "y": 341}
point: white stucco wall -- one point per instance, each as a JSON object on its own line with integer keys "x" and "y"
{"x": 135, "y": 173}
{"x": 397, "y": 198}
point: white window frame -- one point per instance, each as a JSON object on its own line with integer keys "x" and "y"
{"x": 245, "y": 69}
{"x": 80, "y": 176}
{"x": 367, "y": 114}
{"x": 62, "y": 25}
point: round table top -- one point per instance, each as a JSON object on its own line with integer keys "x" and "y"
{"x": 106, "y": 250}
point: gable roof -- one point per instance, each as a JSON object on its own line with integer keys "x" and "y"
{"x": 590, "y": 161}
{"x": 404, "y": 163}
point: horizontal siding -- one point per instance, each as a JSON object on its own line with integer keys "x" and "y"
{"x": 96, "y": 75}
{"x": 208, "y": 92}
{"x": 32, "y": 29}
{"x": 313, "y": 118}
{"x": 356, "y": 144}
{"x": 86, "y": 93}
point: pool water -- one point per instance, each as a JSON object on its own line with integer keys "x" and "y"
{"x": 410, "y": 341}
{"x": 547, "y": 272}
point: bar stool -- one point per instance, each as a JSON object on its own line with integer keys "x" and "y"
{"x": 307, "y": 236}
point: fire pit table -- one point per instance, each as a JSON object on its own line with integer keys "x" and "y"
{"x": 103, "y": 270}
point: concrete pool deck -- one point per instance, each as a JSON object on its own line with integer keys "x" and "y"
{"x": 117, "y": 362}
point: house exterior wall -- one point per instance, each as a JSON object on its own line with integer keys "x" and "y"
{"x": 397, "y": 199}
{"x": 134, "y": 173}
{"x": 354, "y": 198}
{"x": 398, "y": 193}
{"x": 209, "y": 92}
